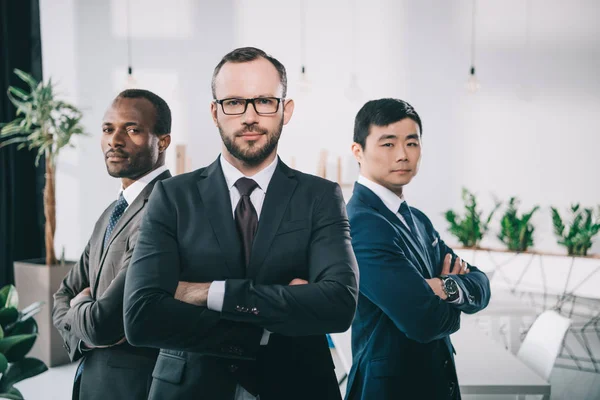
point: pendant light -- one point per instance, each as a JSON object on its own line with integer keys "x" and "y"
{"x": 473, "y": 83}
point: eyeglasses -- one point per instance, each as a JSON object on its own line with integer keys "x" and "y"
{"x": 262, "y": 105}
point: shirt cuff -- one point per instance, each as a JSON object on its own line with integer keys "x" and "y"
{"x": 82, "y": 347}
{"x": 460, "y": 299}
{"x": 216, "y": 296}
{"x": 264, "y": 340}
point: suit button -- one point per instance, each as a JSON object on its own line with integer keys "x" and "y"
{"x": 254, "y": 311}
{"x": 238, "y": 308}
{"x": 446, "y": 364}
{"x": 233, "y": 368}
{"x": 67, "y": 327}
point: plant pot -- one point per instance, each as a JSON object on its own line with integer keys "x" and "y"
{"x": 35, "y": 281}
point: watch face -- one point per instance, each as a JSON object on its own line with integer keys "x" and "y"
{"x": 451, "y": 286}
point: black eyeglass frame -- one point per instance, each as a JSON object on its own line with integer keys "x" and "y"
{"x": 248, "y": 101}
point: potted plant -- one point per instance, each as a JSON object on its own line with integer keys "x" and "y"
{"x": 44, "y": 124}
{"x": 469, "y": 229}
{"x": 516, "y": 232}
{"x": 582, "y": 229}
{"x": 18, "y": 332}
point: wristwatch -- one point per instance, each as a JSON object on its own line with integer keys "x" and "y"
{"x": 450, "y": 287}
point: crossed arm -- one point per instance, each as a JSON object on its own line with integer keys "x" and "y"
{"x": 155, "y": 315}
{"x": 82, "y": 321}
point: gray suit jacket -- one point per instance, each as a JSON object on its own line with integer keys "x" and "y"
{"x": 118, "y": 372}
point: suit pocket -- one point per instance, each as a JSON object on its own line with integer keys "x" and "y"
{"x": 292, "y": 226}
{"x": 169, "y": 368}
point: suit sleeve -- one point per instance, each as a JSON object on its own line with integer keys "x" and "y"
{"x": 100, "y": 322}
{"x": 152, "y": 316}
{"x": 327, "y": 303}
{"x": 475, "y": 285}
{"x": 395, "y": 285}
{"x": 76, "y": 280}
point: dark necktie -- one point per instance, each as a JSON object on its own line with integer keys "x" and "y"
{"x": 115, "y": 216}
{"x": 246, "y": 218}
{"x": 407, "y": 215}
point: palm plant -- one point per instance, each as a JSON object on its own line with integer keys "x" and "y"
{"x": 583, "y": 227}
{"x": 45, "y": 124}
{"x": 516, "y": 232}
{"x": 469, "y": 229}
{"x": 18, "y": 332}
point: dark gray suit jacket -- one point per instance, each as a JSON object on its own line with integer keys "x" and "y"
{"x": 189, "y": 234}
{"x": 118, "y": 372}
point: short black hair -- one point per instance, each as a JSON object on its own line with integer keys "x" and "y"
{"x": 382, "y": 112}
{"x": 247, "y": 54}
{"x": 163, "y": 112}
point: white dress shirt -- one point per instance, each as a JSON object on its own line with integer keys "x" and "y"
{"x": 393, "y": 202}
{"x": 134, "y": 190}
{"x": 216, "y": 292}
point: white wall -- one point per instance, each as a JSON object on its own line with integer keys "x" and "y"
{"x": 531, "y": 131}
{"x": 175, "y": 48}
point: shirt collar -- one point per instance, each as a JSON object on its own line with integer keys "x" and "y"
{"x": 262, "y": 178}
{"x": 389, "y": 198}
{"x": 134, "y": 190}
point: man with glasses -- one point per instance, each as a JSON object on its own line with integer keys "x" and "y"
{"x": 242, "y": 267}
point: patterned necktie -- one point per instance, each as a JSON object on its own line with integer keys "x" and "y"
{"x": 115, "y": 216}
{"x": 246, "y": 218}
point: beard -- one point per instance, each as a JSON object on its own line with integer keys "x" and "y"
{"x": 136, "y": 165}
{"x": 253, "y": 154}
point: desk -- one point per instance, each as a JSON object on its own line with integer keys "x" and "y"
{"x": 485, "y": 367}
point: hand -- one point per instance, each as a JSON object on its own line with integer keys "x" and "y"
{"x": 297, "y": 281}
{"x": 437, "y": 286}
{"x": 80, "y": 296}
{"x": 459, "y": 268}
{"x": 193, "y": 293}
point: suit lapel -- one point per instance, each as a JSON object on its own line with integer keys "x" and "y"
{"x": 415, "y": 243}
{"x": 217, "y": 209}
{"x": 278, "y": 196}
{"x": 96, "y": 250}
{"x": 370, "y": 198}
{"x": 129, "y": 213}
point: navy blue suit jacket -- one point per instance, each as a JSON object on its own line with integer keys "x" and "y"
{"x": 400, "y": 335}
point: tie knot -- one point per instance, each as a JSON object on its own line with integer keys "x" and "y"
{"x": 121, "y": 202}
{"x": 245, "y": 186}
{"x": 404, "y": 210}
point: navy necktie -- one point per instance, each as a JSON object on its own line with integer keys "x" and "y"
{"x": 115, "y": 216}
{"x": 407, "y": 215}
{"x": 246, "y": 218}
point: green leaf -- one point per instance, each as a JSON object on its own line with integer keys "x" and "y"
{"x": 21, "y": 370}
{"x": 12, "y": 394}
{"x": 31, "y": 310}
{"x": 10, "y": 296}
{"x": 16, "y": 347}
{"x": 8, "y": 316}
{"x": 18, "y": 92}
{"x": 26, "y": 327}
{"x": 27, "y": 78}
{"x": 12, "y": 141}
{"x": 3, "y": 363}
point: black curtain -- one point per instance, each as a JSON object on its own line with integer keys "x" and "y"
{"x": 21, "y": 183}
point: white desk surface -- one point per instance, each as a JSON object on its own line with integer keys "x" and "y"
{"x": 485, "y": 367}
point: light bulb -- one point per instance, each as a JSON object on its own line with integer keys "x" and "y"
{"x": 130, "y": 83}
{"x": 472, "y": 84}
{"x": 304, "y": 84}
